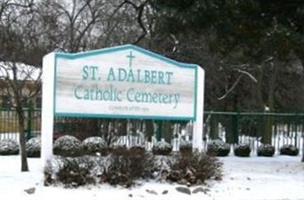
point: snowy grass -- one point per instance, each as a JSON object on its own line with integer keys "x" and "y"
{"x": 253, "y": 178}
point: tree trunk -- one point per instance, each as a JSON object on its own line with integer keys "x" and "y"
{"x": 149, "y": 130}
{"x": 167, "y": 131}
{"x": 22, "y": 139}
{"x": 214, "y": 132}
{"x": 269, "y": 119}
{"x": 260, "y": 126}
{"x": 123, "y": 127}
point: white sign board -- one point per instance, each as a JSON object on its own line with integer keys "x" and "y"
{"x": 127, "y": 82}
{"x": 120, "y": 82}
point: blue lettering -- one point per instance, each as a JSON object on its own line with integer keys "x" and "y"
{"x": 153, "y": 77}
{"x": 122, "y": 74}
{"x": 147, "y": 76}
{"x": 131, "y": 76}
{"x": 130, "y": 93}
{"x": 111, "y": 75}
{"x": 85, "y": 73}
{"x": 169, "y": 75}
{"x": 76, "y": 93}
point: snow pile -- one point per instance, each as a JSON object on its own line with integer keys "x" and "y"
{"x": 33, "y": 147}
{"x": 67, "y": 146}
{"x": 218, "y": 148}
{"x": 162, "y": 148}
{"x": 9, "y": 147}
{"x": 93, "y": 145}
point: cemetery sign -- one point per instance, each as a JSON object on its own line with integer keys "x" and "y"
{"x": 124, "y": 82}
{"x": 120, "y": 82}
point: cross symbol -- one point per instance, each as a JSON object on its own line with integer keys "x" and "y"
{"x": 130, "y": 56}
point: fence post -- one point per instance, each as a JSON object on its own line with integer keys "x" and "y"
{"x": 302, "y": 135}
{"x": 267, "y": 135}
{"x": 159, "y": 130}
{"x": 214, "y": 132}
{"x": 236, "y": 126}
{"x": 29, "y": 121}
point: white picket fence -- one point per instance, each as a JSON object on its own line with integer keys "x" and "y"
{"x": 295, "y": 138}
{"x": 15, "y": 136}
{"x": 12, "y": 136}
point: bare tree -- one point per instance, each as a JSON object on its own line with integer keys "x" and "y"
{"x": 80, "y": 25}
{"x": 20, "y": 47}
{"x": 22, "y": 84}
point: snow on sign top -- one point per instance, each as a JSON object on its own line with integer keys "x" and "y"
{"x": 124, "y": 82}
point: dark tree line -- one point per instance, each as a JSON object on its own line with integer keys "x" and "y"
{"x": 256, "y": 44}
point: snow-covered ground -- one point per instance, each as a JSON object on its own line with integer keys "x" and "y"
{"x": 280, "y": 178}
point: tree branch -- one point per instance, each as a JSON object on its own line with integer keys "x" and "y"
{"x": 231, "y": 88}
{"x": 247, "y": 74}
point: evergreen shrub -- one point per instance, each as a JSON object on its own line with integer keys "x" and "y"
{"x": 242, "y": 150}
{"x": 218, "y": 148}
{"x": 68, "y": 146}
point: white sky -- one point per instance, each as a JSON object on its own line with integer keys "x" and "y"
{"x": 24, "y": 72}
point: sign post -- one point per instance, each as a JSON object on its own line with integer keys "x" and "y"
{"x": 120, "y": 82}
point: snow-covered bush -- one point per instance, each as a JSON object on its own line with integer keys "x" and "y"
{"x": 218, "y": 148}
{"x": 9, "y": 147}
{"x": 194, "y": 169}
{"x": 242, "y": 150}
{"x": 119, "y": 149}
{"x": 289, "y": 149}
{"x": 162, "y": 148}
{"x": 67, "y": 146}
{"x": 33, "y": 147}
{"x": 75, "y": 171}
{"x": 137, "y": 150}
{"x": 161, "y": 166}
{"x": 114, "y": 169}
{"x": 185, "y": 147}
{"x": 72, "y": 172}
{"x": 94, "y": 145}
{"x": 125, "y": 169}
{"x": 266, "y": 150}
{"x": 127, "y": 165}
